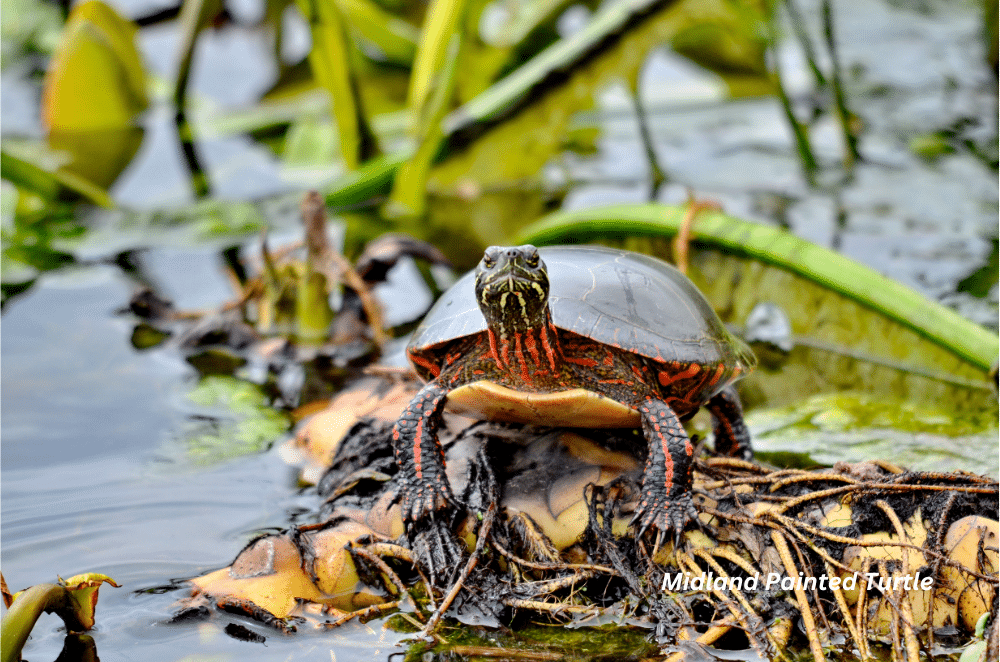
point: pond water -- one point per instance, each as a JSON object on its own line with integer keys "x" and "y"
{"x": 97, "y": 476}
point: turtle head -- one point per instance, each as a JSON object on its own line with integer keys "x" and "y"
{"x": 512, "y": 288}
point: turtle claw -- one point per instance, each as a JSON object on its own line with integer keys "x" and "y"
{"x": 439, "y": 553}
{"x": 665, "y": 515}
{"x": 428, "y": 515}
{"x": 426, "y": 502}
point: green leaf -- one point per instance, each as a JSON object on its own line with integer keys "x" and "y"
{"x": 409, "y": 189}
{"x": 441, "y": 23}
{"x": 394, "y": 37}
{"x": 45, "y": 179}
{"x": 331, "y": 64}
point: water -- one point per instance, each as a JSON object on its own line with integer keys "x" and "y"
{"x": 95, "y": 478}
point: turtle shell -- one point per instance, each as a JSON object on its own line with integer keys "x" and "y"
{"x": 627, "y": 300}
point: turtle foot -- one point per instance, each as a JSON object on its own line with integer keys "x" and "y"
{"x": 665, "y": 514}
{"x": 429, "y": 513}
{"x": 427, "y": 501}
{"x": 439, "y": 553}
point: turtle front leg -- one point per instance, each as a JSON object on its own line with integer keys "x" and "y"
{"x": 424, "y": 489}
{"x": 666, "y": 481}
{"x": 425, "y": 497}
{"x": 732, "y": 437}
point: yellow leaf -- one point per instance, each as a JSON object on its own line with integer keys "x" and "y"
{"x": 96, "y": 79}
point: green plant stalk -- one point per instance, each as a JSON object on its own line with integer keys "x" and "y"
{"x": 798, "y": 25}
{"x": 330, "y": 62}
{"x": 656, "y": 175}
{"x": 195, "y": 15}
{"x": 371, "y": 180}
{"x": 396, "y": 38}
{"x": 806, "y": 156}
{"x": 50, "y": 185}
{"x": 443, "y": 21}
{"x": 409, "y": 190}
{"x": 313, "y": 314}
{"x": 557, "y": 59}
{"x": 189, "y": 150}
{"x": 941, "y": 325}
{"x": 23, "y": 614}
{"x": 312, "y": 307}
{"x": 851, "y": 154}
{"x": 375, "y": 177}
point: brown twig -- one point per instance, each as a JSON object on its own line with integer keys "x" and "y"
{"x": 812, "y": 477}
{"x": 390, "y": 574}
{"x": 554, "y": 608}
{"x": 484, "y": 532}
{"x": 781, "y": 544}
{"x": 535, "y": 565}
{"x": 363, "y": 614}
{"x": 683, "y": 239}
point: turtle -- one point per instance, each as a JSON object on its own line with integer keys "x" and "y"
{"x": 578, "y": 336}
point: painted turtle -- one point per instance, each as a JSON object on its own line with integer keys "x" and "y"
{"x": 575, "y": 336}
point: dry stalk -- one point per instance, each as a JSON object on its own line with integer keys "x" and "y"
{"x": 391, "y": 579}
{"x": 744, "y": 613}
{"x": 800, "y": 596}
{"x": 554, "y": 608}
{"x": 505, "y": 653}
{"x": 363, "y": 614}
{"x": 534, "y": 565}
{"x": 812, "y": 477}
{"x": 845, "y": 611}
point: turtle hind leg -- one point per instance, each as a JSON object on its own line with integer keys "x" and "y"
{"x": 427, "y": 504}
{"x": 665, "y": 503}
{"x": 732, "y": 437}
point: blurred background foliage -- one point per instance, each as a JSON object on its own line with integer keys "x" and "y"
{"x": 453, "y": 120}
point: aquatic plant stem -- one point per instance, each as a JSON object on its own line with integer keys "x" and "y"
{"x": 73, "y": 600}
{"x": 195, "y": 15}
{"x": 199, "y": 180}
{"x": 799, "y": 27}
{"x": 409, "y": 190}
{"x": 330, "y": 61}
{"x": 22, "y": 615}
{"x": 851, "y": 154}
{"x": 804, "y": 149}
{"x": 656, "y": 174}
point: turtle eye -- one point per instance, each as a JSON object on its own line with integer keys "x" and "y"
{"x": 488, "y": 261}
{"x": 532, "y": 259}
